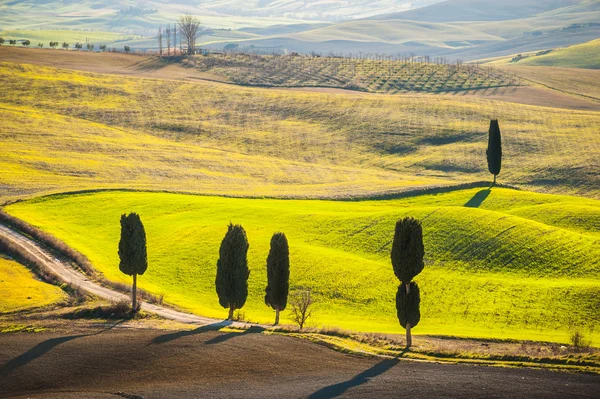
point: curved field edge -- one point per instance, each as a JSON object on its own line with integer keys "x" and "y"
{"x": 21, "y": 290}
{"x": 489, "y": 274}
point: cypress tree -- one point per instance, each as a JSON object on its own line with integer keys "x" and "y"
{"x": 278, "y": 274}
{"x": 407, "y": 260}
{"x": 232, "y": 269}
{"x": 408, "y": 302}
{"x": 494, "y": 149}
{"x": 407, "y": 249}
{"x": 132, "y": 250}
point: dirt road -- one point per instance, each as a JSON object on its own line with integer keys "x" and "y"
{"x": 75, "y": 278}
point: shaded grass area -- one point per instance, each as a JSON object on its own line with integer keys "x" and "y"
{"x": 66, "y": 130}
{"x": 489, "y": 274}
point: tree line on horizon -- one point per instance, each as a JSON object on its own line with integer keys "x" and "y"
{"x": 65, "y": 45}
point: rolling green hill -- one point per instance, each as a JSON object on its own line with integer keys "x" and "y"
{"x": 499, "y": 262}
{"x": 586, "y": 55}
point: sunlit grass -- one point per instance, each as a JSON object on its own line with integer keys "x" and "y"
{"x": 21, "y": 290}
{"x": 65, "y": 130}
{"x": 489, "y": 273}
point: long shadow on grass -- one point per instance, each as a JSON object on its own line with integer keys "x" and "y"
{"x": 335, "y": 390}
{"x": 44, "y": 347}
{"x": 221, "y": 338}
{"x": 478, "y": 198}
{"x": 161, "y": 339}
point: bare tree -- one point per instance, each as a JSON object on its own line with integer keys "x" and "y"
{"x": 301, "y": 302}
{"x": 174, "y": 39}
{"x": 168, "y": 37}
{"x": 160, "y": 37}
{"x": 189, "y": 27}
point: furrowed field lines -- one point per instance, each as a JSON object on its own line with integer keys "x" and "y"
{"x": 382, "y": 74}
{"x": 491, "y": 271}
{"x": 66, "y": 130}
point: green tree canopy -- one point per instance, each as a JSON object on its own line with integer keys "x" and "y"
{"x": 232, "y": 269}
{"x": 278, "y": 274}
{"x": 407, "y": 249}
{"x": 494, "y": 149}
{"x": 408, "y": 305}
{"x": 132, "y": 250}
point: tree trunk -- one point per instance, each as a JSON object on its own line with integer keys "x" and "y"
{"x": 230, "y": 312}
{"x": 495, "y": 179}
{"x": 408, "y": 336}
{"x": 134, "y": 293}
{"x": 276, "y": 316}
{"x": 407, "y": 288}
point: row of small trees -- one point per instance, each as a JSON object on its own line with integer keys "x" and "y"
{"x": 407, "y": 258}
{"x": 65, "y": 45}
{"x": 232, "y": 270}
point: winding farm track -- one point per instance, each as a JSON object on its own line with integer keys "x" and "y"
{"x": 150, "y": 363}
{"x": 76, "y": 279}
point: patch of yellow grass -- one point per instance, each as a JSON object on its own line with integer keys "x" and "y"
{"x": 21, "y": 290}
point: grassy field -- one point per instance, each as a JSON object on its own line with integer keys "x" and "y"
{"x": 384, "y": 75}
{"x": 500, "y": 263}
{"x": 21, "y": 290}
{"x": 581, "y": 82}
{"x": 585, "y": 55}
{"x": 67, "y": 130}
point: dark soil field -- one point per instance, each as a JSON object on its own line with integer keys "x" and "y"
{"x": 109, "y": 361}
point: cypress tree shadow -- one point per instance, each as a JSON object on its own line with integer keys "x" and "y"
{"x": 335, "y": 390}
{"x": 478, "y": 198}
{"x": 161, "y": 339}
{"x": 42, "y": 348}
{"x": 222, "y": 338}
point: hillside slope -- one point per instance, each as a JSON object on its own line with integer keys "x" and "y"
{"x": 586, "y": 55}
{"x": 481, "y": 10}
{"x": 66, "y": 130}
{"x": 490, "y": 271}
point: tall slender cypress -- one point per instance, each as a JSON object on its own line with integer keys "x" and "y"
{"x": 278, "y": 274}
{"x": 132, "y": 250}
{"x": 494, "y": 149}
{"x": 232, "y": 269}
{"x": 407, "y": 260}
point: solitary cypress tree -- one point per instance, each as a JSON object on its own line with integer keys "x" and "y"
{"x": 407, "y": 261}
{"x": 494, "y": 149}
{"x": 232, "y": 269}
{"x": 132, "y": 250}
{"x": 278, "y": 274}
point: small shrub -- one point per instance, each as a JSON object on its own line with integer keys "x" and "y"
{"x": 116, "y": 310}
{"x": 579, "y": 341}
{"x": 301, "y": 302}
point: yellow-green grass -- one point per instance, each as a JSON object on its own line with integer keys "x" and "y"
{"x": 585, "y": 55}
{"x": 582, "y": 82}
{"x": 489, "y": 272}
{"x": 66, "y": 130}
{"x": 21, "y": 290}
